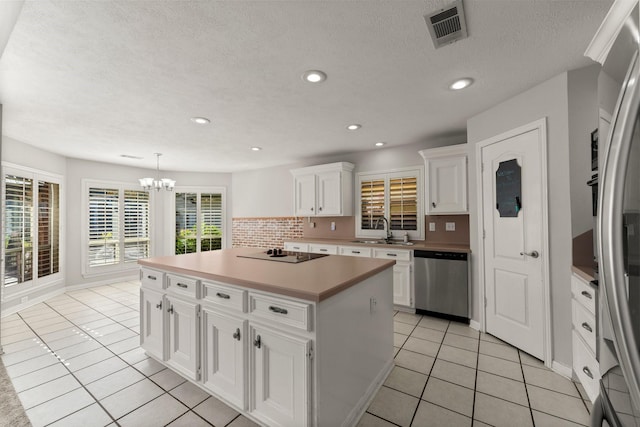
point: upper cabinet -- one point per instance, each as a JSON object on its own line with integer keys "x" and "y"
{"x": 324, "y": 190}
{"x": 446, "y": 176}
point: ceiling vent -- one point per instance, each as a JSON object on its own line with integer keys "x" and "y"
{"x": 447, "y": 25}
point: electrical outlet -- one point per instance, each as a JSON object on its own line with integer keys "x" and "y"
{"x": 333, "y": 226}
{"x": 432, "y": 226}
{"x": 312, "y": 225}
{"x": 372, "y": 304}
{"x": 450, "y": 226}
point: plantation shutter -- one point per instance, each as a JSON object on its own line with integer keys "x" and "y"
{"x": 136, "y": 225}
{"x": 210, "y": 222}
{"x": 403, "y": 203}
{"x": 104, "y": 227}
{"x": 372, "y": 194}
{"x": 48, "y": 228}
{"x": 18, "y": 230}
{"x": 186, "y": 222}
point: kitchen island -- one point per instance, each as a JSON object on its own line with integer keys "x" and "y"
{"x": 286, "y": 344}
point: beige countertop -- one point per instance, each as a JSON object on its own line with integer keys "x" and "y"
{"x": 313, "y": 280}
{"x": 417, "y": 245}
{"x": 587, "y": 273}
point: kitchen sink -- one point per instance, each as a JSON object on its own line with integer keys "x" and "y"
{"x": 382, "y": 242}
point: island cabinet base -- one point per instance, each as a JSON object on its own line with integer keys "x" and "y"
{"x": 278, "y": 360}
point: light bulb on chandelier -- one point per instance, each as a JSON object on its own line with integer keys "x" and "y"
{"x": 149, "y": 183}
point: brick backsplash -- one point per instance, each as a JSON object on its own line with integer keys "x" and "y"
{"x": 265, "y": 232}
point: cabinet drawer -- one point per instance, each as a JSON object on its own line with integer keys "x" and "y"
{"x": 323, "y": 249}
{"x": 584, "y": 293}
{"x": 362, "y": 251}
{"x": 290, "y": 313}
{"x": 184, "y": 286}
{"x": 586, "y": 367}
{"x": 152, "y": 279}
{"x": 392, "y": 254}
{"x": 224, "y": 296}
{"x": 296, "y": 247}
{"x": 585, "y": 324}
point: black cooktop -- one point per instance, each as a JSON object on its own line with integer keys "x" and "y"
{"x": 283, "y": 256}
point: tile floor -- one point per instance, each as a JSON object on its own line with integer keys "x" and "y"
{"x": 75, "y": 361}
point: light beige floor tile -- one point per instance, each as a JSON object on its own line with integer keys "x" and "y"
{"x": 499, "y": 350}
{"x": 189, "y": 394}
{"x": 38, "y": 377}
{"x": 504, "y": 388}
{"x": 117, "y": 337}
{"x": 242, "y": 421}
{"x": 88, "y": 359}
{"x": 434, "y": 323}
{"x": 149, "y": 366}
{"x": 158, "y": 412}
{"x": 460, "y": 341}
{"x": 428, "y": 334}
{"x": 448, "y": 395}
{"x": 130, "y": 398}
{"x": 92, "y": 415}
{"x": 414, "y": 361}
{"x": 407, "y": 381}
{"x": 31, "y": 365}
{"x": 546, "y": 378}
{"x": 430, "y": 415}
{"x": 370, "y": 420}
{"x": 23, "y": 355}
{"x": 125, "y": 345}
{"x": 47, "y": 391}
{"x": 99, "y": 370}
{"x": 59, "y": 407}
{"x": 477, "y": 423}
{"x": 497, "y": 366}
{"x": 167, "y": 379}
{"x": 454, "y": 373}
{"x": 459, "y": 356}
{"x": 79, "y": 338}
{"x": 20, "y": 345}
{"x": 134, "y": 356}
{"x": 417, "y": 345}
{"x": 558, "y": 404}
{"x": 491, "y": 338}
{"x": 545, "y": 420}
{"x": 462, "y": 329}
{"x": 399, "y": 339}
{"x": 411, "y": 319}
{"x": 115, "y": 382}
{"x": 17, "y": 337}
{"x": 93, "y": 325}
{"x": 402, "y": 328}
{"x": 131, "y": 322}
{"x": 527, "y": 359}
{"x": 78, "y": 349}
{"x": 189, "y": 419}
{"x": 216, "y": 412}
{"x": 500, "y": 413}
{"x": 62, "y": 333}
{"x": 394, "y": 406}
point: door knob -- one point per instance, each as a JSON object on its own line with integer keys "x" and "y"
{"x": 532, "y": 254}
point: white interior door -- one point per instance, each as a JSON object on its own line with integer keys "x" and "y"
{"x": 513, "y": 249}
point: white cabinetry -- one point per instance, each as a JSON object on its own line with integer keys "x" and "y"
{"x": 446, "y": 176}
{"x": 324, "y": 190}
{"x": 583, "y": 309}
{"x": 183, "y": 336}
{"x": 152, "y": 322}
{"x": 402, "y": 277}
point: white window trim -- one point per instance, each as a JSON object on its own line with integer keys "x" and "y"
{"x": 170, "y": 215}
{"x": 36, "y": 283}
{"x": 121, "y": 187}
{"x": 386, "y": 175}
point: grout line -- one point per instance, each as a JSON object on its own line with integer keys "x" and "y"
{"x": 475, "y": 383}
{"x": 382, "y": 418}
{"x": 526, "y": 389}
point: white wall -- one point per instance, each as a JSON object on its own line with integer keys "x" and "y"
{"x": 550, "y": 100}
{"x": 9, "y": 12}
{"x": 18, "y": 153}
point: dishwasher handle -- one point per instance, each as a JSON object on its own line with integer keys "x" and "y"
{"x": 454, "y": 256}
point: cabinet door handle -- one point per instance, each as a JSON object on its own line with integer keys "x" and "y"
{"x": 150, "y": 277}
{"x": 392, "y": 254}
{"x": 159, "y": 305}
{"x": 236, "y": 334}
{"x": 433, "y": 204}
{"x": 587, "y": 294}
{"x": 587, "y": 371}
{"x": 278, "y": 309}
{"x": 170, "y": 311}
{"x": 311, "y": 209}
{"x": 257, "y": 342}
{"x": 223, "y": 296}
{"x": 182, "y": 285}
{"x": 586, "y": 326}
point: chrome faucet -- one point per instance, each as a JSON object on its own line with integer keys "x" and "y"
{"x": 389, "y": 233}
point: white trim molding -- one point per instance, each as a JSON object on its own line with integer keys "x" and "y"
{"x": 601, "y": 43}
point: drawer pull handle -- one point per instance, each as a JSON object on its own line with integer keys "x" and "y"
{"x": 323, "y": 250}
{"x": 182, "y": 285}
{"x": 586, "y": 326}
{"x": 587, "y": 294}
{"x": 587, "y": 372}
{"x": 355, "y": 252}
{"x": 223, "y": 296}
{"x": 392, "y": 254}
{"x": 170, "y": 311}
{"x": 257, "y": 342}
{"x": 159, "y": 305}
{"x": 278, "y": 309}
{"x": 236, "y": 334}
{"x": 151, "y": 277}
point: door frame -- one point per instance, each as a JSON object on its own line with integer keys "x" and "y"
{"x": 541, "y": 126}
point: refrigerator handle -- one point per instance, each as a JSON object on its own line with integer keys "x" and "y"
{"x": 610, "y": 227}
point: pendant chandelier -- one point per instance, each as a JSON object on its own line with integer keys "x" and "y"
{"x": 149, "y": 183}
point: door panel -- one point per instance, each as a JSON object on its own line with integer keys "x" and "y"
{"x": 510, "y": 293}
{"x": 152, "y": 326}
{"x": 183, "y": 337}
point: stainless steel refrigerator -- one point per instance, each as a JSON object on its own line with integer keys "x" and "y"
{"x": 618, "y": 238}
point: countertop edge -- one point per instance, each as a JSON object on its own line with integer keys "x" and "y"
{"x": 422, "y": 246}
{"x": 586, "y": 273}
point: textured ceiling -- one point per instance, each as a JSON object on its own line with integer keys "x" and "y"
{"x": 97, "y": 79}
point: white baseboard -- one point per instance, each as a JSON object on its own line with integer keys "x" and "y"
{"x": 36, "y": 300}
{"x": 474, "y": 325}
{"x": 358, "y": 411}
{"x": 559, "y": 368}
{"x": 102, "y": 282}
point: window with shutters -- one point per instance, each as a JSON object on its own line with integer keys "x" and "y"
{"x": 117, "y": 232}
{"x": 394, "y": 197}
{"x": 32, "y": 235}
{"x": 199, "y": 221}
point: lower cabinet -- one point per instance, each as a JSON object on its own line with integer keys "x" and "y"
{"x": 280, "y": 377}
{"x": 583, "y": 307}
{"x": 183, "y": 336}
{"x": 152, "y": 322}
{"x": 402, "y": 284}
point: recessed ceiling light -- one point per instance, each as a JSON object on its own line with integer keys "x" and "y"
{"x": 461, "y": 83}
{"x": 354, "y": 126}
{"x": 256, "y": 148}
{"x": 314, "y": 76}
{"x": 200, "y": 120}
{"x": 380, "y": 144}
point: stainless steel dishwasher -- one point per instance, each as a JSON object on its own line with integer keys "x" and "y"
{"x": 442, "y": 284}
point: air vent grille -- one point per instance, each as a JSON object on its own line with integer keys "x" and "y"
{"x": 447, "y": 25}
